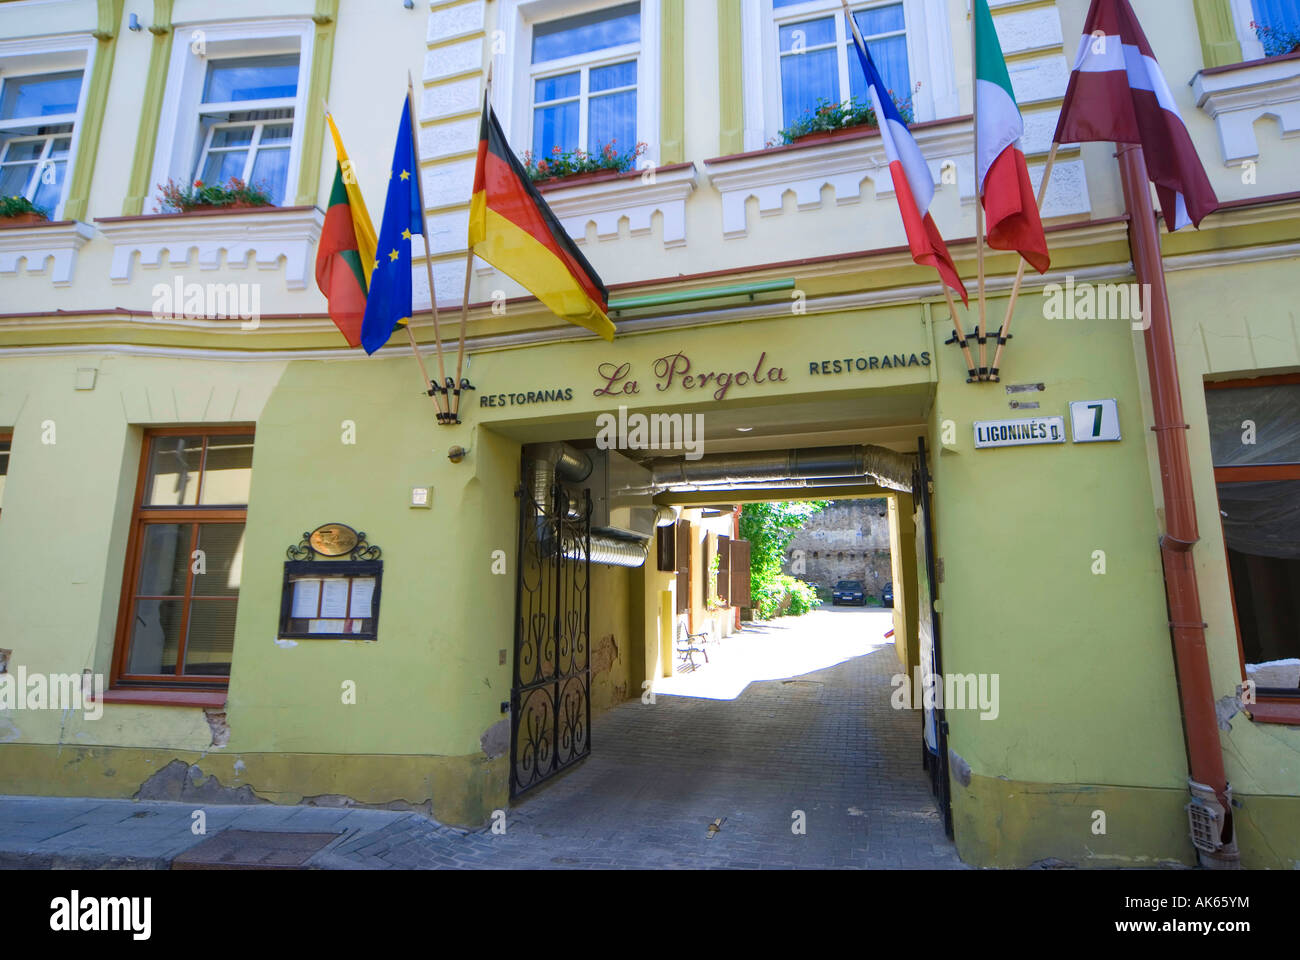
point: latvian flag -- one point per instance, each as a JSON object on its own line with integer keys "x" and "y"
{"x": 912, "y": 181}
{"x": 1005, "y": 188}
{"x": 512, "y": 228}
{"x": 1118, "y": 93}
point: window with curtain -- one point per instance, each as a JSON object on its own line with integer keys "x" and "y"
{"x": 817, "y": 60}
{"x": 1277, "y": 24}
{"x": 584, "y": 81}
{"x": 246, "y": 122}
{"x": 185, "y": 559}
{"x": 37, "y": 114}
{"x": 1255, "y": 444}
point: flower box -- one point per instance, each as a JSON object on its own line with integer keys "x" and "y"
{"x": 23, "y": 219}
{"x": 818, "y": 136}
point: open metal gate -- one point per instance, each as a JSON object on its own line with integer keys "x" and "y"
{"x": 550, "y": 699}
{"x": 934, "y": 730}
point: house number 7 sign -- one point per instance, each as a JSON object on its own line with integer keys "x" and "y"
{"x": 1094, "y": 421}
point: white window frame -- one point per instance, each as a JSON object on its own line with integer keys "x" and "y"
{"x": 929, "y": 59}
{"x": 44, "y": 159}
{"x": 513, "y": 95}
{"x": 46, "y": 55}
{"x": 180, "y": 147}
{"x": 254, "y": 145}
{"x": 583, "y": 64}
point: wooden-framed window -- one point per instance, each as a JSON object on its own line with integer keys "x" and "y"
{"x": 1255, "y": 445}
{"x": 6, "y": 442}
{"x": 180, "y": 591}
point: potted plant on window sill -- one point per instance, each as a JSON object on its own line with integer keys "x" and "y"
{"x": 20, "y": 212}
{"x": 212, "y": 198}
{"x": 1277, "y": 42}
{"x": 835, "y": 121}
{"x": 572, "y": 167}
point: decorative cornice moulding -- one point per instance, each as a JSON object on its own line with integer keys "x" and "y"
{"x": 638, "y": 197}
{"x": 229, "y": 238}
{"x": 40, "y": 243}
{"x": 1235, "y": 97}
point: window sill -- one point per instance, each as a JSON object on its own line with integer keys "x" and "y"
{"x": 609, "y": 197}
{"x": 268, "y": 233}
{"x": 1275, "y": 711}
{"x": 1237, "y": 95}
{"x": 36, "y": 243}
{"x": 166, "y": 698}
{"x": 845, "y": 160}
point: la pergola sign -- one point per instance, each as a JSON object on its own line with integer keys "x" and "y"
{"x": 677, "y": 370}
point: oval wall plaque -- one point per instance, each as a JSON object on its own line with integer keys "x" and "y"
{"x": 333, "y": 539}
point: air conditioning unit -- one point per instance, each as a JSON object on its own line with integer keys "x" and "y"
{"x": 621, "y": 496}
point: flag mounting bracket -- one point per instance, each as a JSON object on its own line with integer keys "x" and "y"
{"x": 991, "y": 337}
{"x": 448, "y": 389}
{"x": 980, "y": 374}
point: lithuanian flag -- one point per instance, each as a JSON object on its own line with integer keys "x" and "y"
{"x": 512, "y": 228}
{"x": 345, "y": 254}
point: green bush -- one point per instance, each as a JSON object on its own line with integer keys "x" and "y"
{"x": 785, "y": 596}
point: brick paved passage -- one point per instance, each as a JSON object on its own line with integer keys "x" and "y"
{"x": 813, "y": 731}
{"x": 822, "y": 740}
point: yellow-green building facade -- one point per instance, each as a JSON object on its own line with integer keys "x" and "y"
{"x": 1047, "y": 562}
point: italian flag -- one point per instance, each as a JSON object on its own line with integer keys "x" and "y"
{"x": 345, "y": 254}
{"x": 1005, "y": 190}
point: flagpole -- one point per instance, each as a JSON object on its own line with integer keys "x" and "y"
{"x": 971, "y": 374}
{"x": 469, "y": 276}
{"x": 444, "y": 413}
{"x": 979, "y": 199}
{"x": 1020, "y": 273}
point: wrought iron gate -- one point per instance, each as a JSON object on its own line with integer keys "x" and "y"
{"x": 550, "y": 700}
{"x": 934, "y": 723}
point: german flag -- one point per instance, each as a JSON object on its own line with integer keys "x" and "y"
{"x": 345, "y": 254}
{"x": 512, "y": 228}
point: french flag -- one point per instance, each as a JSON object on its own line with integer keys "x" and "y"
{"x": 1117, "y": 93}
{"x": 913, "y": 184}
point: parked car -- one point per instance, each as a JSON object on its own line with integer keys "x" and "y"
{"x": 887, "y": 595}
{"x": 848, "y": 591}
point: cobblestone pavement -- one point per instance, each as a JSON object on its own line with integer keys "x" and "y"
{"x": 825, "y": 742}
{"x": 820, "y": 738}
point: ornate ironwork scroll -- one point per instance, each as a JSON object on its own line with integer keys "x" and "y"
{"x": 334, "y": 540}
{"x": 550, "y": 700}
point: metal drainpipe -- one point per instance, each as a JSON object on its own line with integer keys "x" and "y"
{"x": 1210, "y": 811}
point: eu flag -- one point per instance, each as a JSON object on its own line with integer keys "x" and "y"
{"x": 388, "y": 304}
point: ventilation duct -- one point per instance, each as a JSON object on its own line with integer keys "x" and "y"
{"x": 887, "y": 467}
{"x": 612, "y": 553}
{"x": 666, "y": 516}
{"x": 549, "y": 461}
{"x": 761, "y": 485}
